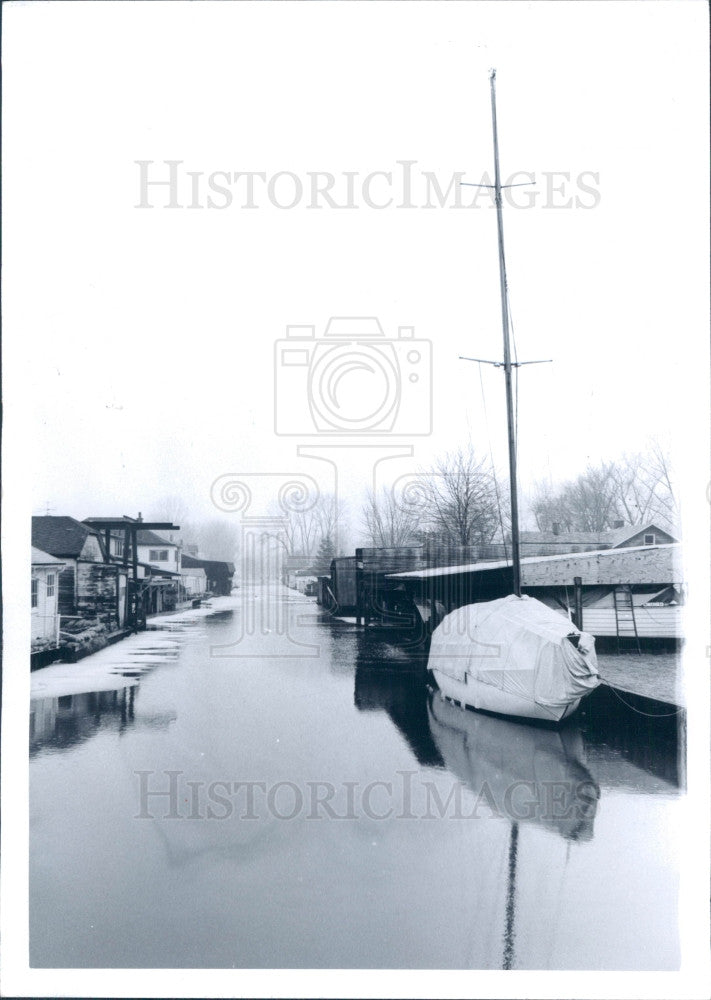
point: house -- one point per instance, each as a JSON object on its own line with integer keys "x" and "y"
{"x": 303, "y": 581}
{"x": 194, "y": 582}
{"x": 90, "y": 588}
{"x": 160, "y": 557}
{"x": 155, "y": 550}
{"x": 297, "y": 573}
{"x": 631, "y": 535}
{"x": 218, "y": 574}
{"x": 293, "y": 564}
{"x": 556, "y": 542}
{"x": 151, "y": 549}
{"x": 44, "y": 634}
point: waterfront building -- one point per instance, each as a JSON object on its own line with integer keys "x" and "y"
{"x": 44, "y": 634}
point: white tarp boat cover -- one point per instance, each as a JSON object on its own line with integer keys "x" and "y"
{"x": 519, "y": 646}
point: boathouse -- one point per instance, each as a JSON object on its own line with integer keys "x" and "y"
{"x": 90, "y": 588}
{"x": 627, "y": 592}
{"x": 219, "y": 574}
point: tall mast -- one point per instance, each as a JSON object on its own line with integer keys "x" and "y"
{"x": 507, "y": 351}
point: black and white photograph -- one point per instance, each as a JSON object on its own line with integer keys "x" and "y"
{"x": 356, "y": 499}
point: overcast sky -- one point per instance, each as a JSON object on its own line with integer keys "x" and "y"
{"x": 140, "y": 343}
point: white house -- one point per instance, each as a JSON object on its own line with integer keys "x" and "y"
{"x": 157, "y": 551}
{"x": 194, "y": 581}
{"x": 44, "y": 599}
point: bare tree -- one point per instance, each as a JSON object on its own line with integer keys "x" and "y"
{"x": 330, "y": 514}
{"x": 174, "y": 508}
{"x": 592, "y": 499}
{"x": 635, "y": 489}
{"x": 645, "y": 486}
{"x": 217, "y": 538}
{"x": 548, "y": 507}
{"x": 300, "y": 532}
{"x": 665, "y": 505}
{"x": 171, "y": 508}
{"x": 303, "y": 530}
{"x": 386, "y": 521}
{"x": 327, "y": 515}
{"x": 460, "y": 500}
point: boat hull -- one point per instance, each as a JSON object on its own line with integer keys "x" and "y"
{"x": 483, "y": 697}
{"x": 513, "y": 656}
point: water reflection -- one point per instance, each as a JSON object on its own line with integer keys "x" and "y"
{"x": 71, "y": 703}
{"x": 504, "y": 888}
{"x": 68, "y": 720}
{"x": 629, "y": 745}
{"x": 622, "y": 745}
{"x": 401, "y": 694}
{"x": 530, "y": 776}
{"x": 537, "y": 781}
{"x": 528, "y": 773}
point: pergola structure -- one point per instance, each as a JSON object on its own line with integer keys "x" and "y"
{"x": 130, "y": 528}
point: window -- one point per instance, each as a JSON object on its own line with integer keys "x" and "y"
{"x": 158, "y": 555}
{"x": 119, "y": 547}
{"x": 35, "y": 592}
{"x": 649, "y": 539}
{"x": 50, "y": 585}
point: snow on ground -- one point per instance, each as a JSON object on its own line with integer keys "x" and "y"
{"x": 110, "y": 669}
{"x": 214, "y": 606}
{"x": 121, "y": 664}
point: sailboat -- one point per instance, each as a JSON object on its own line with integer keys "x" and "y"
{"x": 513, "y": 656}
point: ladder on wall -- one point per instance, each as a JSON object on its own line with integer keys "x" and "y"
{"x": 625, "y": 621}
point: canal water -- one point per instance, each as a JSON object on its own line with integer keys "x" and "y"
{"x": 255, "y": 785}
